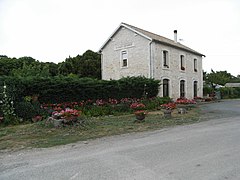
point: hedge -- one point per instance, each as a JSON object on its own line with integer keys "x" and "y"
{"x": 62, "y": 89}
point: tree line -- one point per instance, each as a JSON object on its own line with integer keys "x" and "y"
{"x": 220, "y": 78}
{"x": 86, "y": 65}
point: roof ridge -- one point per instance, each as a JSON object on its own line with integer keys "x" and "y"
{"x": 162, "y": 39}
{"x": 149, "y": 32}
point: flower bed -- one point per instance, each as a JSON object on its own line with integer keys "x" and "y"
{"x": 169, "y": 106}
{"x": 185, "y": 101}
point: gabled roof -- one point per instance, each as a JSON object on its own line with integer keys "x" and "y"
{"x": 152, "y": 37}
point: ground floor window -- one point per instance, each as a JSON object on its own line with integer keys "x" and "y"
{"x": 165, "y": 87}
{"x": 182, "y": 89}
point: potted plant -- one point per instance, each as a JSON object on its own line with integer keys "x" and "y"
{"x": 167, "y": 109}
{"x": 65, "y": 117}
{"x": 140, "y": 114}
{"x": 139, "y": 110}
{"x": 185, "y": 103}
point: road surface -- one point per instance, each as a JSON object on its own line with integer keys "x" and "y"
{"x": 209, "y": 150}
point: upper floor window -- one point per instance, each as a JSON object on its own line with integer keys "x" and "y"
{"x": 165, "y": 59}
{"x": 182, "y": 62}
{"x": 195, "y": 65}
{"x": 124, "y": 57}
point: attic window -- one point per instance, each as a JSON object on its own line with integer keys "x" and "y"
{"x": 124, "y": 57}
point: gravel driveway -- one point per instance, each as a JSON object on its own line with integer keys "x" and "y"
{"x": 221, "y": 109}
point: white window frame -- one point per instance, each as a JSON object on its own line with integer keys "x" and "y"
{"x": 167, "y": 86}
{"x": 165, "y": 57}
{"x": 182, "y": 63}
{"x": 195, "y": 66}
{"x": 182, "y": 89}
{"x": 195, "y": 89}
{"x": 124, "y": 58}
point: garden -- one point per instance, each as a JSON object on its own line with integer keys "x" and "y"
{"x": 39, "y": 119}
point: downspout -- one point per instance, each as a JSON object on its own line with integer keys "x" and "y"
{"x": 100, "y": 52}
{"x": 150, "y": 60}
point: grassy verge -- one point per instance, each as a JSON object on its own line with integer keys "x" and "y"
{"x": 37, "y": 135}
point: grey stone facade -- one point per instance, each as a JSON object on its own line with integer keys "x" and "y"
{"x": 144, "y": 56}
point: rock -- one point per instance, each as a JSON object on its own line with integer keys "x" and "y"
{"x": 182, "y": 111}
{"x": 57, "y": 122}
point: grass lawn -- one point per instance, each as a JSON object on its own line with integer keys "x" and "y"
{"x": 37, "y": 135}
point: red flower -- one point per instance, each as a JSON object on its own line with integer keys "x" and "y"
{"x": 140, "y": 112}
{"x": 137, "y": 106}
{"x": 169, "y": 106}
{"x": 185, "y": 101}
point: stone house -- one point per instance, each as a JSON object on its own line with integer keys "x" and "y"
{"x": 131, "y": 51}
{"x": 232, "y": 85}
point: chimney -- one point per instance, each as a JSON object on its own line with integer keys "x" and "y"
{"x": 175, "y": 35}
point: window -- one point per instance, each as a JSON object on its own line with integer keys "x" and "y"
{"x": 165, "y": 59}
{"x": 195, "y": 86}
{"x": 165, "y": 88}
{"x": 124, "y": 59}
{"x": 195, "y": 65}
{"x": 182, "y": 89}
{"x": 182, "y": 63}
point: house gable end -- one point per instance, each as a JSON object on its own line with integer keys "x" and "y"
{"x": 118, "y": 29}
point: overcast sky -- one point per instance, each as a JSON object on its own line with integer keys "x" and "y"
{"x": 51, "y": 30}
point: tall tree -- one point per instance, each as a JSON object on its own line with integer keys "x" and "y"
{"x": 87, "y": 65}
{"x": 219, "y": 77}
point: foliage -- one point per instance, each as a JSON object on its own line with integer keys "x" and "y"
{"x": 207, "y": 90}
{"x": 229, "y": 92}
{"x": 7, "y": 108}
{"x": 102, "y": 107}
{"x": 25, "y": 110}
{"x": 28, "y": 110}
{"x": 219, "y": 77}
{"x": 33, "y": 69}
{"x": 38, "y": 135}
{"x": 185, "y": 101}
{"x": 87, "y": 65}
{"x": 66, "y": 113}
{"x": 137, "y": 106}
{"x": 169, "y": 106}
{"x": 140, "y": 113}
{"x": 65, "y": 89}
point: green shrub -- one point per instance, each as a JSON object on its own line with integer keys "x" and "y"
{"x": 207, "y": 90}
{"x": 98, "y": 111}
{"x": 229, "y": 92}
{"x": 155, "y": 102}
{"x": 25, "y": 110}
{"x": 66, "y": 89}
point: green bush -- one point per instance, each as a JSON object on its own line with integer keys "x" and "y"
{"x": 207, "y": 90}
{"x": 25, "y": 110}
{"x": 229, "y": 92}
{"x": 70, "y": 89}
{"x": 155, "y": 102}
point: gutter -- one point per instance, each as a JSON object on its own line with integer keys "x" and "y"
{"x": 150, "y": 60}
